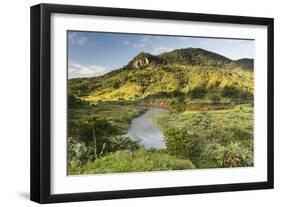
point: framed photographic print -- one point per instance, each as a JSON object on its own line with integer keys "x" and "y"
{"x": 133, "y": 103}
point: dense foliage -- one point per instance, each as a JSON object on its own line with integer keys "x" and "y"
{"x": 183, "y": 143}
{"x": 143, "y": 160}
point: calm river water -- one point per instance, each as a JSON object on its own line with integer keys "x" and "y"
{"x": 144, "y": 129}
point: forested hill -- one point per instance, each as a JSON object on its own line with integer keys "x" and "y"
{"x": 186, "y": 72}
{"x": 188, "y": 56}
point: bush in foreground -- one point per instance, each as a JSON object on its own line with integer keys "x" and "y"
{"x": 183, "y": 143}
{"x": 231, "y": 155}
{"x": 142, "y": 161}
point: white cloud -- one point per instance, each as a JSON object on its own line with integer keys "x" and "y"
{"x": 71, "y": 37}
{"x": 77, "y": 70}
{"x": 147, "y": 43}
{"x": 146, "y": 39}
{"x": 142, "y": 43}
{"x": 126, "y": 42}
{"x": 139, "y": 45}
{"x": 75, "y": 38}
{"x": 82, "y": 40}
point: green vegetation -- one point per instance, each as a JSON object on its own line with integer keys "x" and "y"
{"x": 196, "y": 82}
{"x": 219, "y": 138}
{"x": 208, "y": 123}
{"x": 123, "y": 161}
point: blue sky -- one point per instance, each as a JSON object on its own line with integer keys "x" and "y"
{"x": 96, "y": 53}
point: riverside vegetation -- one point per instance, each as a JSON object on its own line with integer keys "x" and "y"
{"x": 208, "y": 121}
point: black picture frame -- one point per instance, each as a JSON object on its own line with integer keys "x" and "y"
{"x": 41, "y": 96}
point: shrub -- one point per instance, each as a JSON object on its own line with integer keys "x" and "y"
{"x": 178, "y": 104}
{"x": 232, "y": 155}
{"x": 237, "y": 93}
{"x": 123, "y": 161}
{"x": 237, "y": 156}
{"x": 215, "y": 98}
{"x": 212, "y": 156}
{"x": 183, "y": 143}
{"x": 230, "y": 92}
{"x": 123, "y": 143}
{"x": 77, "y": 153}
{"x": 200, "y": 121}
{"x": 246, "y": 95}
{"x": 116, "y": 84}
{"x": 242, "y": 133}
{"x": 73, "y": 101}
{"x": 198, "y": 93}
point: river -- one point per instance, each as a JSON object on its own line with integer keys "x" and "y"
{"x": 143, "y": 128}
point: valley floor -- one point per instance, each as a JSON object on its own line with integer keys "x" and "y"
{"x": 196, "y": 134}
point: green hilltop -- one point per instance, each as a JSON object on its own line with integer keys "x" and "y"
{"x": 191, "y": 73}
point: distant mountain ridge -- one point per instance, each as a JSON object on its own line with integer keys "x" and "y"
{"x": 244, "y": 63}
{"x": 188, "y": 56}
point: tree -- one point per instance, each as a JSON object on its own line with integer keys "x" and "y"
{"x": 100, "y": 131}
{"x": 215, "y": 98}
{"x": 230, "y": 92}
{"x": 92, "y": 121}
{"x": 95, "y": 133}
{"x": 116, "y": 84}
{"x": 197, "y": 93}
{"x": 72, "y": 101}
{"x": 123, "y": 143}
{"x": 183, "y": 143}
